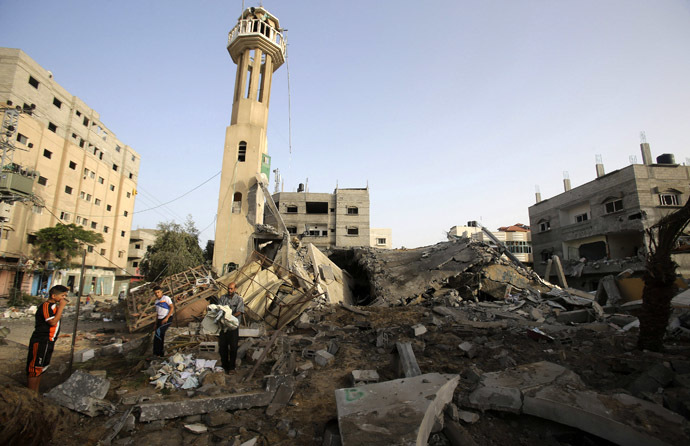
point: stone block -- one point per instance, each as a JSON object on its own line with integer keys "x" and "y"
{"x": 249, "y": 332}
{"x": 407, "y": 362}
{"x": 419, "y": 329}
{"x": 306, "y": 366}
{"x": 211, "y": 347}
{"x": 196, "y": 428}
{"x": 110, "y": 350}
{"x": 361, "y": 377}
{"x": 84, "y": 355}
{"x": 83, "y": 393}
{"x": 468, "y": 349}
{"x": 398, "y": 412}
{"x": 323, "y": 358}
{"x": 468, "y": 417}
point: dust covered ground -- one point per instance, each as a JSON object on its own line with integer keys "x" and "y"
{"x": 604, "y": 357}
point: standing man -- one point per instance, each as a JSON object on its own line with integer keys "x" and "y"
{"x": 45, "y": 333}
{"x": 230, "y": 337}
{"x": 164, "y": 311}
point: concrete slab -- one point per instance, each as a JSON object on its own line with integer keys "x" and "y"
{"x": 622, "y": 419}
{"x": 407, "y": 362}
{"x": 83, "y": 393}
{"x": 175, "y": 409}
{"x": 398, "y": 412}
{"x": 84, "y": 355}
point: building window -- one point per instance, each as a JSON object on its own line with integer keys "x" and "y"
{"x": 614, "y": 206}
{"x": 78, "y": 220}
{"x": 317, "y": 207}
{"x": 94, "y": 225}
{"x": 242, "y": 151}
{"x": 352, "y": 210}
{"x": 291, "y": 209}
{"x": 380, "y": 241}
{"x": 129, "y": 194}
{"x": 108, "y": 207}
{"x": 97, "y": 202}
{"x": 85, "y": 221}
{"x": 88, "y": 197}
{"x": 122, "y": 234}
{"x": 73, "y": 165}
{"x": 47, "y": 153}
{"x": 30, "y": 239}
{"x": 33, "y": 82}
{"x": 68, "y": 190}
{"x": 352, "y": 231}
{"x": 115, "y": 167}
{"x": 292, "y": 229}
{"x": 131, "y": 175}
{"x": 89, "y": 249}
{"x": 81, "y": 143}
{"x": 100, "y": 180}
{"x": 106, "y": 229}
{"x": 78, "y": 113}
{"x": 65, "y": 216}
{"x": 85, "y": 121}
{"x": 22, "y": 139}
{"x": 112, "y": 187}
{"x": 544, "y": 226}
{"x": 137, "y": 246}
{"x": 126, "y": 213}
{"x": 581, "y": 217}
{"x": 57, "y": 102}
{"x": 37, "y": 210}
{"x": 102, "y": 251}
{"x": 135, "y": 264}
{"x": 82, "y": 195}
{"x": 668, "y": 200}
{"x": 120, "y": 254}
{"x": 237, "y": 203}
{"x": 118, "y": 148}
{"x": 52, "y": 127}
{"x": 42, "y": 181}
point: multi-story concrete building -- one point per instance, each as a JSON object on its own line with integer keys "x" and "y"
{"x": 139, "y": 242}
{"x": 517, "y": 238}
{"x": 85, "y": 175}
{"x": 598, "y": 228}
{"x": 257, "y": 46}
{"x": 337, "y": 220}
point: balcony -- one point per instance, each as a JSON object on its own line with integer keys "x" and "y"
{"x": 253, "y": 34}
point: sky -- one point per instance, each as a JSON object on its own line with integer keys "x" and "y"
{"x": 448, "y": 111}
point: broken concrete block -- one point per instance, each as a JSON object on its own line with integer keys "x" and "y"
{"x": 323, "y": 358}
{"x": 398, "y": 412}
{"x": 83, "y": 393}
{"x": 110, "y": 350}
{"x": 196, "y": 428}
{"x": 249, "y": 332}
{"x": 218, "y": 418}
{"x": 419, "y": 329}
{"x": 407, "y": 363}
{"x": 99, "y": 373}
{"x": 208, "y": 347}
{"x": 468, "y": 349}
{"x": 657, "y": 376}
{"x": 175, "y": 409}
{"x": 251, "y": 442}
{"x": 31, "y": 310}
{"x": 362, "y": 377}
{"x": 468, "y": 417}
{"x": 84, "y": 355}
{"x": 496, "y": 398}
{"x": 306, "y": 366}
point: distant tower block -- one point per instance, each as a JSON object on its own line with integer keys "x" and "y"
{"x": 257, "y": 46}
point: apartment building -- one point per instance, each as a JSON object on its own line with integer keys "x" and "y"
{"x": 337, "y": 220}
{"x": 83, "y": 174}
{"x": 599, "y": 228}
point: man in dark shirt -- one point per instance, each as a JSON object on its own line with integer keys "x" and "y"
{"x": 230, "y": 337}
{"x": 45, "y": 333}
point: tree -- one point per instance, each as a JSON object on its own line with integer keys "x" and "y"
{"x": 62, "y": 242}
{"x": 659, "y": 278}
{"x": 175, "y": 249}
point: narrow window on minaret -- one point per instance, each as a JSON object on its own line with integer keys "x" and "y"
{"x": 237, "y": 203}
{"x": 262, "y": 71}
{"x": 249, "y": 74}
{"x": 242, "y": 152}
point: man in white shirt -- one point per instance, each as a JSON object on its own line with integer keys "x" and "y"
{"x": 164, "y": 311}
{"x": 229, "y": 338}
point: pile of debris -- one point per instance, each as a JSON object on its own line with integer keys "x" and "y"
{"x": 181, "y": 372}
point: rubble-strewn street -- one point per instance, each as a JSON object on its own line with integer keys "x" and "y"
{"x": 488, "y": 353}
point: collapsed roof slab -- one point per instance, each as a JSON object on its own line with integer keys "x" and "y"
{"x": 398, "y": 412}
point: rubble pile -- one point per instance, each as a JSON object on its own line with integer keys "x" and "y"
{"x": 181, "y": 372}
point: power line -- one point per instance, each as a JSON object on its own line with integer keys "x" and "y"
{"x": 175, "y": 199}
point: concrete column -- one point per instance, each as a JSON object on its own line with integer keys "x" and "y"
{"x": 646, "y": 154}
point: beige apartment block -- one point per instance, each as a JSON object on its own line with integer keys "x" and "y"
{"x": 86, "y": 176}
{"x": 337, "y": 220}
{"x": 257, "y": 46}
{"x": 139, "y": 242}
{"x": 381, "y": 238}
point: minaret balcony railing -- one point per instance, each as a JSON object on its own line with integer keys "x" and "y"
{"x": 256, "y": 27}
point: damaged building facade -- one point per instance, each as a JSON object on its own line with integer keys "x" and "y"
{"x": 81, "y": 173}
{"x": 598, "y": 228}
{"x": 337, "y": 220}
{"x": 517, "y": 239}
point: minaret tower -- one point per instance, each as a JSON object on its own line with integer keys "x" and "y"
{"x": 257, "y": 46}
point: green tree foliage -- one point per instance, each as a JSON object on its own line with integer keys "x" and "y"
{"x": 62, "y": 242}
{"x": 176, "y": 249}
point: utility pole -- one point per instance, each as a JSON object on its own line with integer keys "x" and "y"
{"x": 76, "y": 316}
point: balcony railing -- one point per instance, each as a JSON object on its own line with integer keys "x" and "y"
{"x": 256, "y": 27}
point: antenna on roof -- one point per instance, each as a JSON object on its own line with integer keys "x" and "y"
{"x": 633, "y": 159}
{"x": 643, "y": 137}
